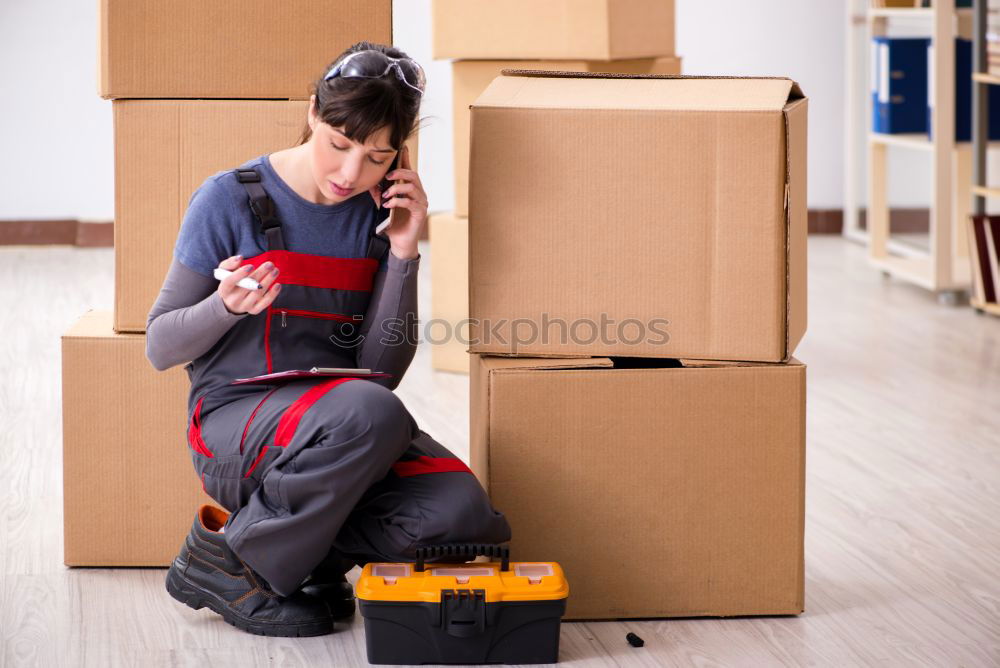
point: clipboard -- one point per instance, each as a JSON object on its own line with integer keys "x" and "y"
{"x": 315, "y": 372}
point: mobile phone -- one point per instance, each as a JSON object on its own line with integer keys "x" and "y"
{"x": 385, "y": 184}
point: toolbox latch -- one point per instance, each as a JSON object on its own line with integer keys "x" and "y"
{"x": 463, "y": 612}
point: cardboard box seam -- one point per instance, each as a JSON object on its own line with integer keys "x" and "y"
{"x": 488, "y": 423}
{"x": 803, "y": 416}
{"x": 786, "y": 354}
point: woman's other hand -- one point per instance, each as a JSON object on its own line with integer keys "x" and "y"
{"x": 239, "y": 300}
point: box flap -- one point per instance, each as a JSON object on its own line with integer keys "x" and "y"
{"x": 691, "y": 363}
{"x": 796, "y": 244}
{"x": 543, "y": 89}
{"x": 492, "y": 362}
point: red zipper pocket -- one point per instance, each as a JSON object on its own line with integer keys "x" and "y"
{"x": 285, "y": 312}
{"x": 313, "y": 314}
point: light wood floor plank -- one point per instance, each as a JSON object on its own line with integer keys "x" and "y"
{"x": 902, "y": 517}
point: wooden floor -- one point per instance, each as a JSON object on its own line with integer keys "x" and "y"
{"x": 903, "y": 496}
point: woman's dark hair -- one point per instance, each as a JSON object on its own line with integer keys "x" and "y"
{"x": 362, "y": 106}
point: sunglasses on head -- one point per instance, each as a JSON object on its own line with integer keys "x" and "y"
{"x": 371, "y": 64}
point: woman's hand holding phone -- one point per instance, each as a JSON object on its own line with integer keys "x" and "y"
{"x": 239, "y": 300}
{"x": 409, "y": 200}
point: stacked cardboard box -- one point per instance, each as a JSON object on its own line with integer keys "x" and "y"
{"x": 129, "y": 489}
{"x": 637, "y": 261}
{"x": 195, "y": 88}
{"x": 487, "y": 37}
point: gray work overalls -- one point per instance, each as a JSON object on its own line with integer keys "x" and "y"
{"x": 310, "y": 464}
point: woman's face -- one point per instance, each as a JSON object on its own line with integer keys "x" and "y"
{"x": 341, "y": 167}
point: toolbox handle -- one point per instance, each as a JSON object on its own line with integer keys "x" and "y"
{"x": 465, "y": 550}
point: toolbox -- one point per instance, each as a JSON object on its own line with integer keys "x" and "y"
{"x": 454, "y": 612}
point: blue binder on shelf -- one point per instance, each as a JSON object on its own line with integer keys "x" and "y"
{"x": 899, "y": 84}
{"x": 963, "y": 94}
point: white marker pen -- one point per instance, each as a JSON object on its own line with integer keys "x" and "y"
{"x": 245, "y": 282}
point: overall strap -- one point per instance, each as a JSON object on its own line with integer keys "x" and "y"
{"x": 378, "y": 246}
{"x": 262, "y": 207}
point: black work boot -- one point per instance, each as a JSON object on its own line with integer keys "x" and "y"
{"x": 328, "y": 581}
{"x": 208, "y": 573}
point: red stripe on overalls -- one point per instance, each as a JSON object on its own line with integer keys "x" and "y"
{"x": 194, "y": 432}
{"x": 293, "y": 414}
{"x": 289, "y": 421}
{"x": 256, "y": 461}
{"x": 317, "y": 271}
{"x": 422, "y": 465}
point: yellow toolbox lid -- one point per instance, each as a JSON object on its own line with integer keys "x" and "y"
{"x": 402, "y": 582}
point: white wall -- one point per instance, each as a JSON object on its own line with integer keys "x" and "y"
{"x": 57, "y": 133}
{"x": 411, "y": 29}
{"x": 800, "y": 39}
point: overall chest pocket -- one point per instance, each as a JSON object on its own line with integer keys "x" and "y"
{"x": 300, "y": 339}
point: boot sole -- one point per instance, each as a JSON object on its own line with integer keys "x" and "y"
{"x": 195, "y": 597}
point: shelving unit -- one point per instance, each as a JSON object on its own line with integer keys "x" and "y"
{"x": 983, "y": 77}
{"x": 943, "y": 266}
{"x": 980, "y": 115}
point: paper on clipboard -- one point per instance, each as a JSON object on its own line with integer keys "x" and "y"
{"x": 315, "y": 372}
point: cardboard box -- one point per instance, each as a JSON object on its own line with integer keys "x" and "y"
{"x": 130, "y": 491}
{"x": 449, "y": 236}
{"x": 471, "y": 77}
{"x": 553, "y": 29}
{"x": 228, "y": 49}
{"x": 662, "y": 492}
{"x": 164, "y": 150}
{"x": 643, "y": 216}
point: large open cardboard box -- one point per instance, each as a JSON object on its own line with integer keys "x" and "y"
{"x": 553, "y": 29}
{"x": 228, "y": 49}
{"x": 469, "y": 78}
{"x": 638, "y": 215}
{"x": 662, "y": 492}
{"x": 130, "y": 491}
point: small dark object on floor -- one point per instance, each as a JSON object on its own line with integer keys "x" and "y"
{"x": 634, "y": 640}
